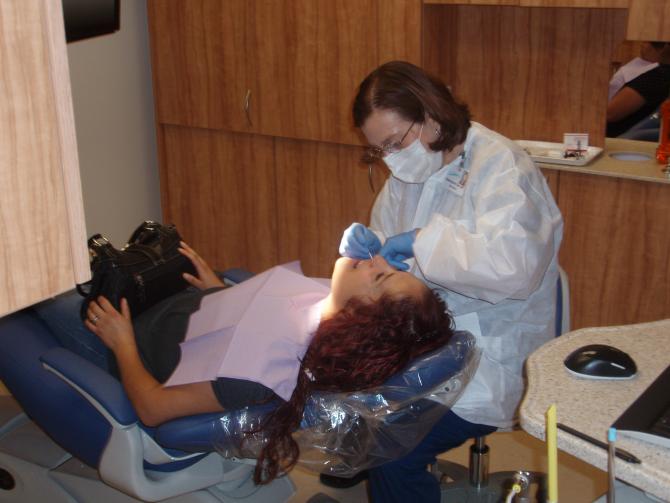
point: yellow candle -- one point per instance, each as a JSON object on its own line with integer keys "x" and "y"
{"x": 552, "y": 455}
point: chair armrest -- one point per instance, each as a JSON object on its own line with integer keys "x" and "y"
{"x": 103, "y": 391}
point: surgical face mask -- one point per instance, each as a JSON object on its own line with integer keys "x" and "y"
{"x": 414, "y": 164}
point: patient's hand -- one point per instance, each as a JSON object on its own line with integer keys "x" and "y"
{"x": 206, "y": 276}
{"x": 113, "y": 327}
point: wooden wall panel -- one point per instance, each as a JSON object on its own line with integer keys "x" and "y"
{"x": 322, "y": 189}
{"x": 58, "y": 70}
{"x": 42, "y": 228}
{"x": 221, "y": 195}
{"x": 616, "y": 249}
{"x": 648, "y": 20}
{"x": 531, "y": 73}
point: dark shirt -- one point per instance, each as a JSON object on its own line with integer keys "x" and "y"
{"x": 160, "y": 329}
{"x": 654, "y": 87}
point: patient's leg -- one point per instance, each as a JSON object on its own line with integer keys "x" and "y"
{"x": 407, "y": 479}
{"x": 61, "y": 314}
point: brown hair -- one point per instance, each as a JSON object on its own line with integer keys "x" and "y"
{"x": 413, "y": 93}
{"x": 360, "y": 347}
{"x": 663, "y": 49}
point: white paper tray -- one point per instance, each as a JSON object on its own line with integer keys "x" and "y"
{"x": 552, "y": 153}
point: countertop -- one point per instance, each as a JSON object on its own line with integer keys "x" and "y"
{"x": 591, "y": 406}
{"x": 605, "y": 165}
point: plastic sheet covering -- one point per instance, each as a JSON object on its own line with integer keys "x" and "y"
{"x": 344, "y": 433}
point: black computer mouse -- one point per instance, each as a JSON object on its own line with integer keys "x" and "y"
{"x": 599, "y": 361}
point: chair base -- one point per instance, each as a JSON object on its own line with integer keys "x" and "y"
{"x": 33, "y": 469}
{"x": 456, "y": 487}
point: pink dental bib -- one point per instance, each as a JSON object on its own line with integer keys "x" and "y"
{"x": 257, "y": 330}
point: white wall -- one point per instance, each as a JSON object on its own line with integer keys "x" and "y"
{"x": 113, "y": 109}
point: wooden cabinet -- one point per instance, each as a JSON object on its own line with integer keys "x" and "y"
{"x": 581, "y": 4}
{"x": 199, "y": 62}
{"x": 42, "y": 223}
{"x": 321, "y": 189}
{"x": 528, "y": 73}
{"x": 647, "y": 19}
{"x": 252, "y": 201}
{"x": 259, "y": 163}
{"x": 616, "y": 249}
{"x": 253, "y": 104}
{"x": 284, "y": 68}
{"x": 311, "y": 55}
{"x": 617, "y": 4}
{"x": 221, "y": 195}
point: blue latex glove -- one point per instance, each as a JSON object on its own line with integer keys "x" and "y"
{"x": 398, "y": 248}
{"x": 358, "y": 242}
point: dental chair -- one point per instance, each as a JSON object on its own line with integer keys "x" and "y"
{"x": 69, "y": 434}
{"x": 474, "y": 483}
{"x": 647, "y": 129}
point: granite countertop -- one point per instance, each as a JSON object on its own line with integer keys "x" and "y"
{"x": 605, "y": 165}
{"x": 591, "y": 406}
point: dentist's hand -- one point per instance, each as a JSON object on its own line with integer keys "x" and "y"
{"x": 358, "y": 242}
{"x": 398, "y": 248}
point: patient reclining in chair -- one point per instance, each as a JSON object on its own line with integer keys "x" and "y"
{"x": 279, "y": 336}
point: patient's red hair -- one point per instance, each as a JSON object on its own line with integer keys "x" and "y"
{"x": 360, "y": 347}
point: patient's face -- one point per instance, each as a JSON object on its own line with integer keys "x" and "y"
{"x": 370, "y": 279}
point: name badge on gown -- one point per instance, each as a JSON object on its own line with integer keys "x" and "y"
{"x": 457, "y": 176}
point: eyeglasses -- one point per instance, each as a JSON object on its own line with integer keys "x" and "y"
{"x": 373, "y": 153}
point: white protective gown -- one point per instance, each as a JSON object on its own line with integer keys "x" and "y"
{"x": 489, "y": 239}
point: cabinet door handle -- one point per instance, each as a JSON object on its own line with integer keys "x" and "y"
{"x": 247, "y": 102}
